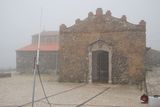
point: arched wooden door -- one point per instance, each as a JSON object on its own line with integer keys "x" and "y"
{"x": 100, "y": 66}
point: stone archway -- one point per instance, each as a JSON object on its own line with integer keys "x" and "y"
{"x": 100, "y": 46}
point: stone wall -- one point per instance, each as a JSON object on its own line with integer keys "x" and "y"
{"x": 127, "y": 41}
{"x": 152, "y": 57}
{"x": 25, "y": 61}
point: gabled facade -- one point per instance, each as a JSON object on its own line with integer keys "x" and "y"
{"x": 102, "y": 48}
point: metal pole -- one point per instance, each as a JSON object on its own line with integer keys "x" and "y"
{"x": 36, "y": 60}
{"x": 34, "y": 83}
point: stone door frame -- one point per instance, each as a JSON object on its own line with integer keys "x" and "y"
{"x": 100, "y": 45}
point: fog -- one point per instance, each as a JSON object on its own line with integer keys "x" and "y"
{"x": 19, "y": 19}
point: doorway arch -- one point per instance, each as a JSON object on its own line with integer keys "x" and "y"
{"x": 102, "y": 49}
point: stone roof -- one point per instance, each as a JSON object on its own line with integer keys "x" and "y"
{"x": 103, "y": 23}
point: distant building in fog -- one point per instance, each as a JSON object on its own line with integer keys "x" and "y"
{"x": 152, "y": 57}
{"x": 48, "y": 53}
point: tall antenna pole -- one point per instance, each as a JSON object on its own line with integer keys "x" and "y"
{"x": 36, "y": 61}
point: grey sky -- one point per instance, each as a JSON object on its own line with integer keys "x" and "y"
{"x": 19, "y": 19}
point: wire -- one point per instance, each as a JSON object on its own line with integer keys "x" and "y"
{"x": 79, "y": 105}
{"x": 44, "y": 92}
{"x": 59, "y": 93}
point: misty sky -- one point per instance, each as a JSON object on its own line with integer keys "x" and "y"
{"x": 19, "y": 19}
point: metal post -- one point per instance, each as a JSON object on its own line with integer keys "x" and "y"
{"x": 36, "y": 61}
{"x": 34, "y": 83}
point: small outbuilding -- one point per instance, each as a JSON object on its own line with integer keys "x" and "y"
{"x": 48, "y": 53}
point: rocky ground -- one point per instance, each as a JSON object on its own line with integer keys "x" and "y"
{"x": 17, "y": 92}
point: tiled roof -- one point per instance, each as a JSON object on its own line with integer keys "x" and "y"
{"x": 43, "y": 47}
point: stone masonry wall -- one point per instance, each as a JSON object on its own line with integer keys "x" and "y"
{"x": 25, "y": 61}
{"x": 128, "y": 42}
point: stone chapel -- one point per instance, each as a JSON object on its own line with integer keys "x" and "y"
{"x": 102, "y": 48}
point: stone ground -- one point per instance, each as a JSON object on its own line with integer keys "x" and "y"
{"x": 153, "y": 81}
{"x": 17, "y": 92}
{"x": 153, "y": 86}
